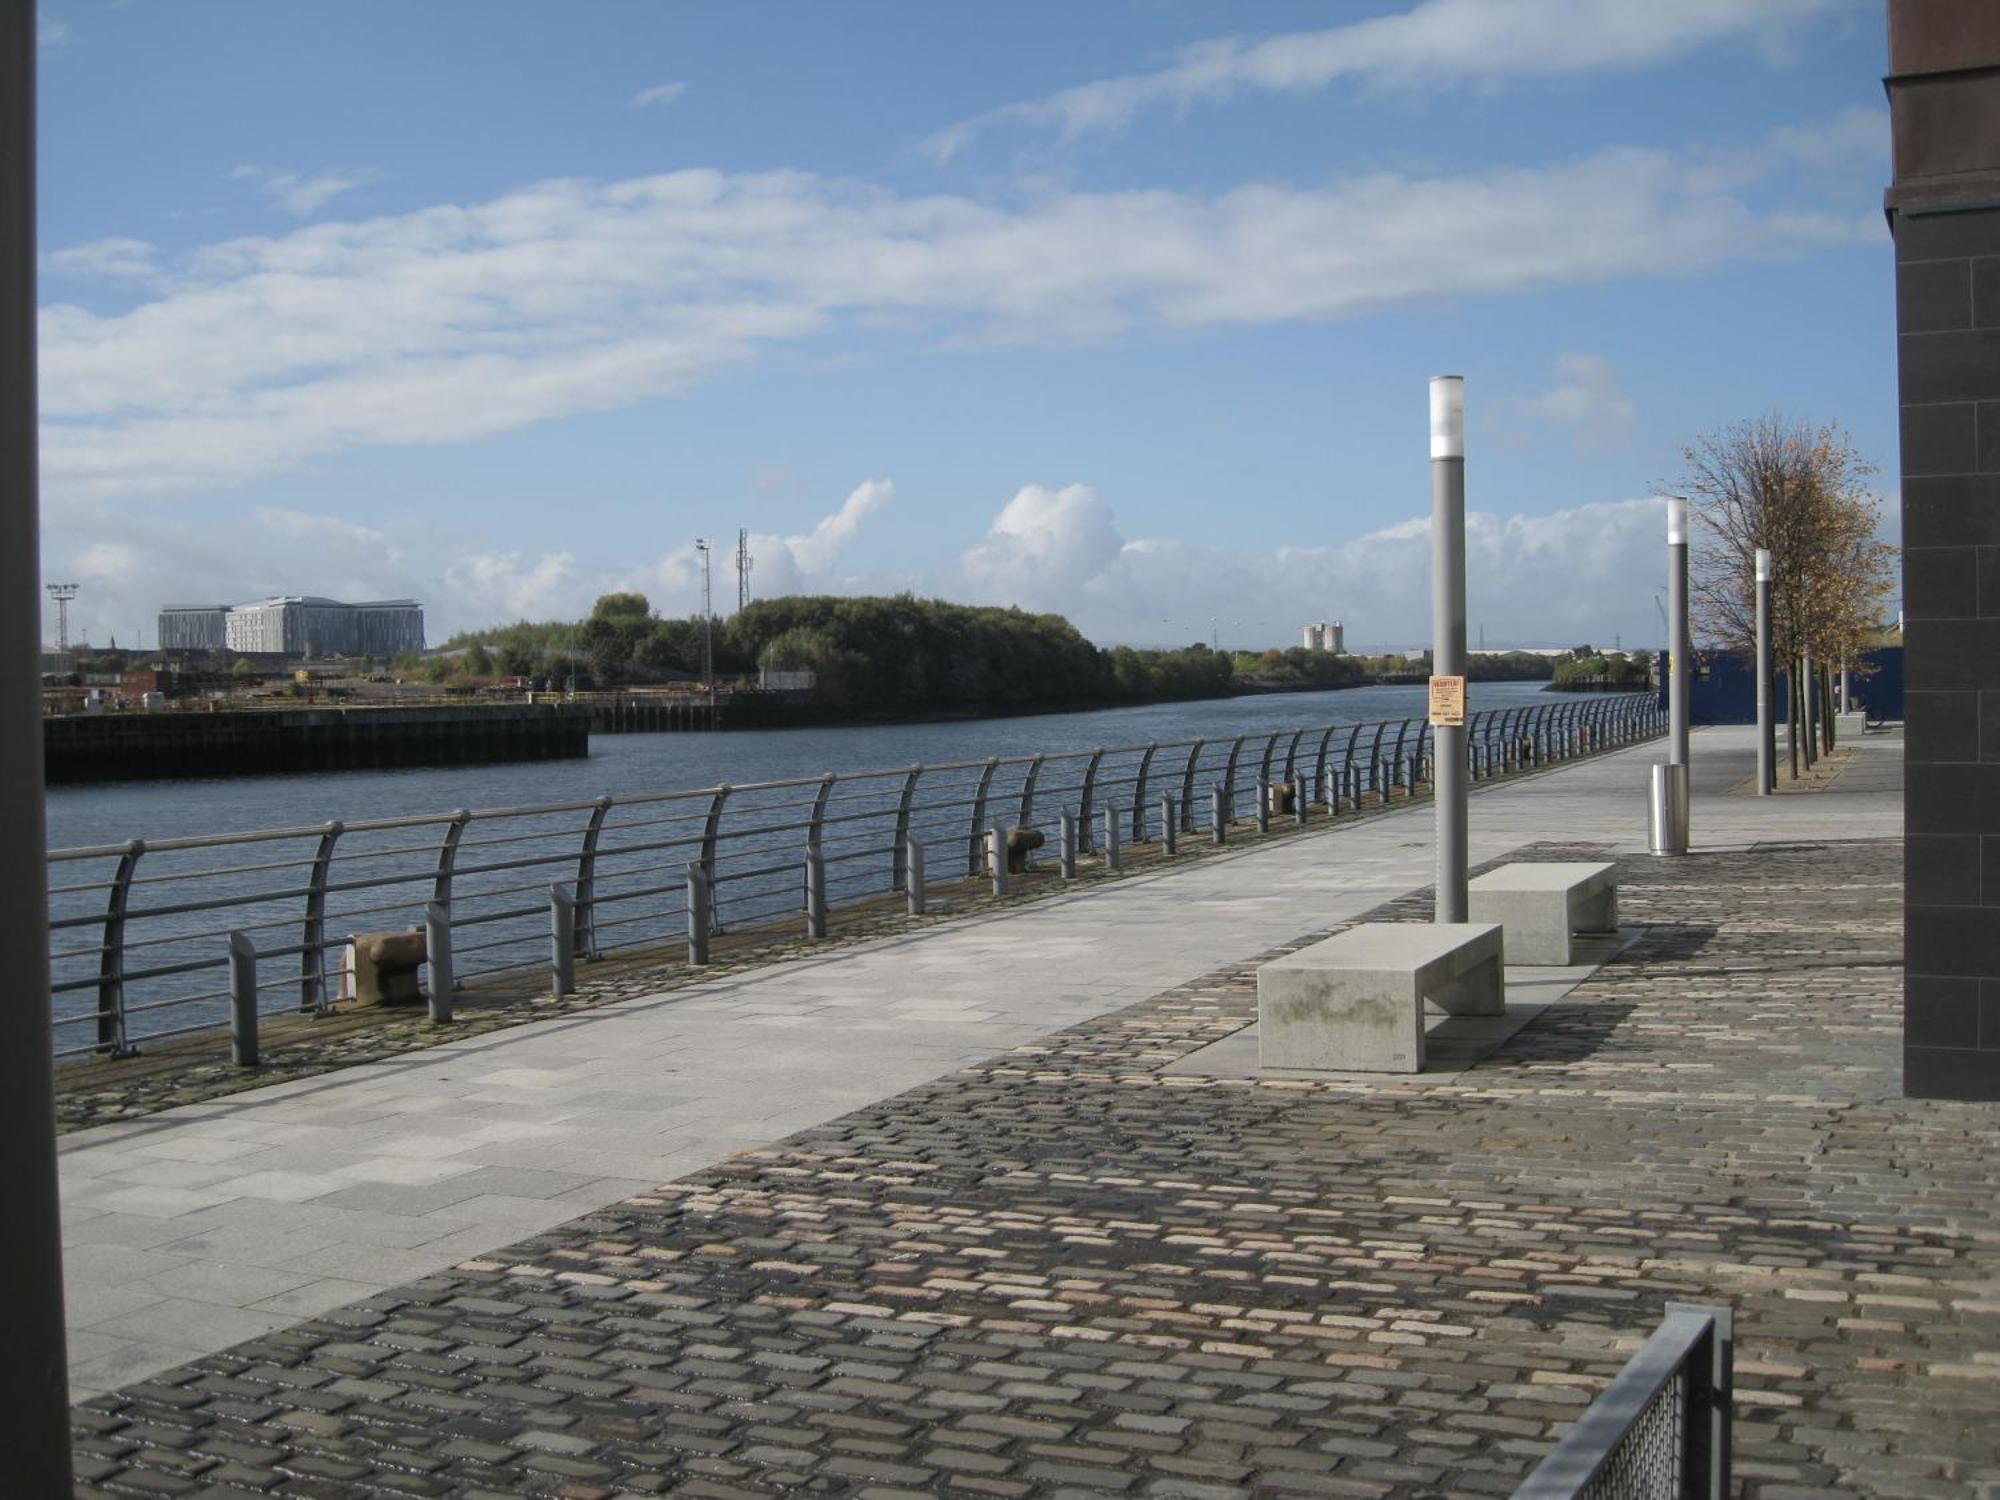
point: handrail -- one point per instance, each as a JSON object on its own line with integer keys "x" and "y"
{"x": 748, "y": 841}
{"x": 1662, "y": 1427}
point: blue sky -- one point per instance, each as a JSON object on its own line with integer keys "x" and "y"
{"x": 1124, "y": 310}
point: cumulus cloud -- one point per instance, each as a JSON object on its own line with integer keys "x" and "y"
{"x": 1435, "y": 44}
{"x": 1584, "y": 572}
{"x": 1586, "y": 405}
{"x": 303, "y": 194}
{"x": 453, "y": 322}
{"x": 659, "y": 93}
{"x": 50, "y": 31}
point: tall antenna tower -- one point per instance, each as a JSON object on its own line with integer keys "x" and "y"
{"x": 707, "y": 614}
{"x": 743, "y": 561}
{"x": 62, "y": 593}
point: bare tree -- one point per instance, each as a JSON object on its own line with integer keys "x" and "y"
{"x": 1801, "y": 491}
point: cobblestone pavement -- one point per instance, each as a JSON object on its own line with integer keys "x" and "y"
{"x": 1060, "y": 1272}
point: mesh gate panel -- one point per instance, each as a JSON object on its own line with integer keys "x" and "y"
{"x": 1646, "y": 1464}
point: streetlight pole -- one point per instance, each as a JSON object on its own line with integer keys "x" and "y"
{"x": 34, "y": 1375}
{"x": 1767, "y": 772}
{"x": 1670, "y": 782}
{"x": 1448, "y": 640}
{"x": 707, "y": 618}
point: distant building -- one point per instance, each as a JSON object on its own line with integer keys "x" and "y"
{"x": 1324, "y": 636}
{"x": 295, "y": 625}
{"x": 193, "y": 627}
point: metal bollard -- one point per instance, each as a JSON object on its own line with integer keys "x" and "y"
{"x": 996, "y": 849}
{"x": 1263, "y": 807}
{"x": 815, "y": 894}
{"x": 1330, "y": 792}
{"x": 437, "y": 948}
{"x": 562, "y": 938}
{"x": 1299, "y": 796}
{"x": 697, "y": 914}
{"x": 1066, "y": 852}
{"x": 913, "y": 876}
{"x": 1113, "y": 855}
{"x": 1218, "y": 815}
{"x": 242, "y": 1000}
{"x": 1170, "y": 825}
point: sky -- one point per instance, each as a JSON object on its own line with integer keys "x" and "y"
{"x": 1125, "y": 311}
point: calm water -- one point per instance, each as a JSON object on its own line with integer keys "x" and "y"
{"x": 622, "y": 764}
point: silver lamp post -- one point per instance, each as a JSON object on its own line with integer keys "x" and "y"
{"x": 1448, "y": 637}
{"x": 1669, "y": 831}
{"x": 1767, "y": 754}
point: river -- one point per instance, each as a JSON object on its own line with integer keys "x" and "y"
{"x": 621, "y": 764}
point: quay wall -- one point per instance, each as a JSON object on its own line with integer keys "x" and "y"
{"x": 123, "y": 747}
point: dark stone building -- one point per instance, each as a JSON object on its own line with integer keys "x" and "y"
{"x": 1944, "y": 210}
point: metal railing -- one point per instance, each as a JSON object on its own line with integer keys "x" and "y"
{"x": 1660, "y": 1430}
{"x": 157, "y": 939}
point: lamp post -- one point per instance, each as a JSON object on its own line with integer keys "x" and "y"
{"x": 1448, "y": 640}
{"x": 1767, "y": 755}
{"x": 34, "y": 1378}
{"x": 1670, "y": 781}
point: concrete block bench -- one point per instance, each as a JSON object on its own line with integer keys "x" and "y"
{"x": 1542, "y": 905}
{"x": 1356, "y": 1001}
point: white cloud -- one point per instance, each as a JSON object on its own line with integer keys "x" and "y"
{"x": 1586, "y": 405}
{"x": 659, "y": 93}
{"x": 453, "y": 323}
{"x": 1043, "y": 546}
{"x": 301, "y": 194}
{"x": 1433, "y": 45}
{"x": 50, "y": 32}
{"x": 1576, "y": 574}
{"x": 494, "y": 588}
{"x": 117, "y": 258}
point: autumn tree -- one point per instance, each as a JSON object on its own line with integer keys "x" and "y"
{"x": 1801, "y": 491}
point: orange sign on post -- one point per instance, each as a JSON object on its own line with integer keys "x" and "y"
{"x": 1448, "y": 700}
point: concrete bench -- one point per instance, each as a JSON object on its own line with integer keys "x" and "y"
{"x": 1542, "y": 905}
{"x": 1356, "y": 1001}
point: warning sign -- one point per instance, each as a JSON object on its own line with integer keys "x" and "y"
{"x": 1448, "y": 700}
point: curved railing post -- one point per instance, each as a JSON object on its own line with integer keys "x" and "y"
{"x": 111, "y": 957}
{"x": 1139, "y": 794}
{"x": 1319, "y": 771}
{"x": 899, "y": 855}
{"x": 1396, "y": 761}
{"x": 1375, "y": 760}
{"x": 583, "y": 929}
{"x": 312, "y": 956}
{"x": 1292, "y": 753}
{"x": 1187, "y": 786}
{"x": 711, "y": 831}
{"x": 1229, "y": 779}
{"x": 815, "y": 833}
{"x": 975, "y": 858}
{"x": 1087, "y": 802}
{"x": 1417, "y": 755}
{"x": 1350, "y": 768}
{"x": 1028, "y": 803}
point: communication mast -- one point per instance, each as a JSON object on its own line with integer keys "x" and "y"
{"x": 707, "y": 615}
{"x": 62, "y": 593}
{"x": 743, "y": 561}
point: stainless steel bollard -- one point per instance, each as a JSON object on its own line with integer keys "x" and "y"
{"x": 1170, "y": 825}
{"x": 996, "y": 849}
{"x": 1668, "y": 822}
{"x": 815, "y": 894}
{"x": 1113, "y": 855}
{"x": 437, "y": 949}
{"x": 1218, "y": 814}
{"x": 1066, "y": 852}
{"x": 1299, "y": 796}
{"x": 1330, "y": 793}
{"x": 242, "y": 1000}
{"x": 1263, "y": 806}
{"x": 562, "y": 938}
{"x": 697, "y": 914}
{"x": 913, "y": 876}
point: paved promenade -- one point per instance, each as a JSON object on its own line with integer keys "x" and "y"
{"x": 931, "y": 1291}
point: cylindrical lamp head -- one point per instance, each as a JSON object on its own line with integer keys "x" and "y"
{"x": 1447, "y": 416}
{"x": 1763, "y": 564}
{"x": 1677, "y": 521}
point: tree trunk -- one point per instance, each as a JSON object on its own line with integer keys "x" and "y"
{"x": 1791, "y": 713}
{"x": 1827, "y": 707}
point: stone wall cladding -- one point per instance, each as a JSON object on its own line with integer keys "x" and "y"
{"x": 1061, "y": 1272}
